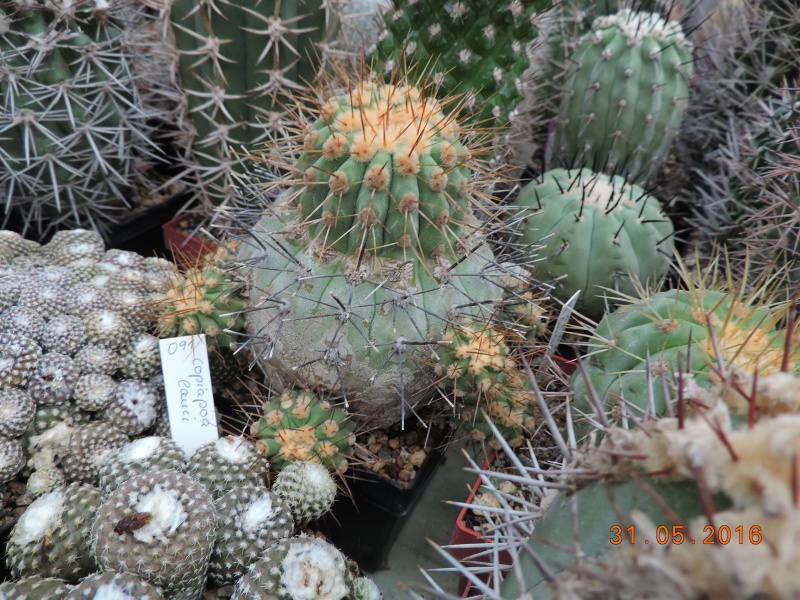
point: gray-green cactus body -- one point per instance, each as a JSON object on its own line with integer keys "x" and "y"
{"x": 624, "y": 94}
{"x": 251, "y": 518}
{"x": 51, "y": 538}
{"x": 162, "y": 526}
{"x": 592, "y": 231}
{"x": 227, "y": 463}
{"x": 308, "y": 488}
{"x": 35, "y": 586}
{"x": 115, "y": 586}
{"x": 299, "y": 567}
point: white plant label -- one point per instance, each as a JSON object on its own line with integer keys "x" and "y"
{"x": 187, "y": 384}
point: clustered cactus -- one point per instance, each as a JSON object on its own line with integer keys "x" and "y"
{"x": 80, "y": 373}
{"x": 160, "y": 525}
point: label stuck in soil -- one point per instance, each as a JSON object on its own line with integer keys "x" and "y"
{"x": 187, "y": 385}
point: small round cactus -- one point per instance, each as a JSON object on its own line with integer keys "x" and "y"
{"x": 160, "y": 525}
{"x": 308, "y": 488}
{"x": 591, "y": 231}
{"x": 12, "y": 458}
{"x": 251, "y": 519}
{"x": 18, "y": 355}
{"x": 140, "y": 456}
{"x": 35, "y": 586}
{"x": 90, "y": 447}
{"x": 134, "y": 407}
{"x": 17, "y": 410}
{"x": 111, "y": 585}
{"x": 298, "y": 425}
{"x": 51, "y": 538}
{"x": 476, "y": 363}
{"x": 227, "y": 463}
{"x": 299, "y": 567}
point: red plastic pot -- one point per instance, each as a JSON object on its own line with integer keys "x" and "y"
{"x": 186, "y": 249}
{"x": 464, "y": 535}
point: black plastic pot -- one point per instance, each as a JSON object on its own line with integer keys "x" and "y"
{"x": 366, "y": 526}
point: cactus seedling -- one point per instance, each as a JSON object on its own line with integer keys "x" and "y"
{"x": 298, "y": 425}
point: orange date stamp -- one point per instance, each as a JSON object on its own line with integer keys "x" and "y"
{"x": 720, "y": 535}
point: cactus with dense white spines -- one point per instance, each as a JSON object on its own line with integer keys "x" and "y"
{"x": 299, "y": 567}
{"x": 75, "y": 128}
{"x": 239, "y": 64}
{"x": 162, "y": 526}
{"x": 139, "y": 456}
{"x": 308, "y": 488}
{"x": 51, "y": 538}
{"x": 111, "y": 585}
{"x": 226, "y": 463}
{"x": 251, "y": 519}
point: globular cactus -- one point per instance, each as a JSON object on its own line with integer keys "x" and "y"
{"x": 476, "y": 49}
{"x": 227, "y": 463}
{"x": 299, "y": 567}
{"x": 239, "y": 63}
{"x": 74, "y": 320}
{"x": 638, "y": 352}
{"x": 205, "y": 300}
{"x": 363, "y": 264}
{"x": 73, "y": 122}
{"x": 623, "y": 89}
{"x": 251, "y": 519}
{"x": 51, "y": 538}
{"x": 35, "y": 587}
{"x": 308, "y": 488}
{"x": 476, "y": 364}
{"x": 111, "y": 584}
{"x": 162, "y": 526}
{"x": 298, "y": 425}
{"x": 588, "y": 231}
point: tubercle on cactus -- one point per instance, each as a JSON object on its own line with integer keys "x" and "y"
{"x": 385, "y": 133}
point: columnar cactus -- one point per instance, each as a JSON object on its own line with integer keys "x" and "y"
{"x": 590, "y": 231}
{"x": 72, "y": 118}
{"x": 362, "y": 265}
{"x": 624, "y": 89}
{"x": 238, "y": 64}
{"x": 474, "y": 48}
